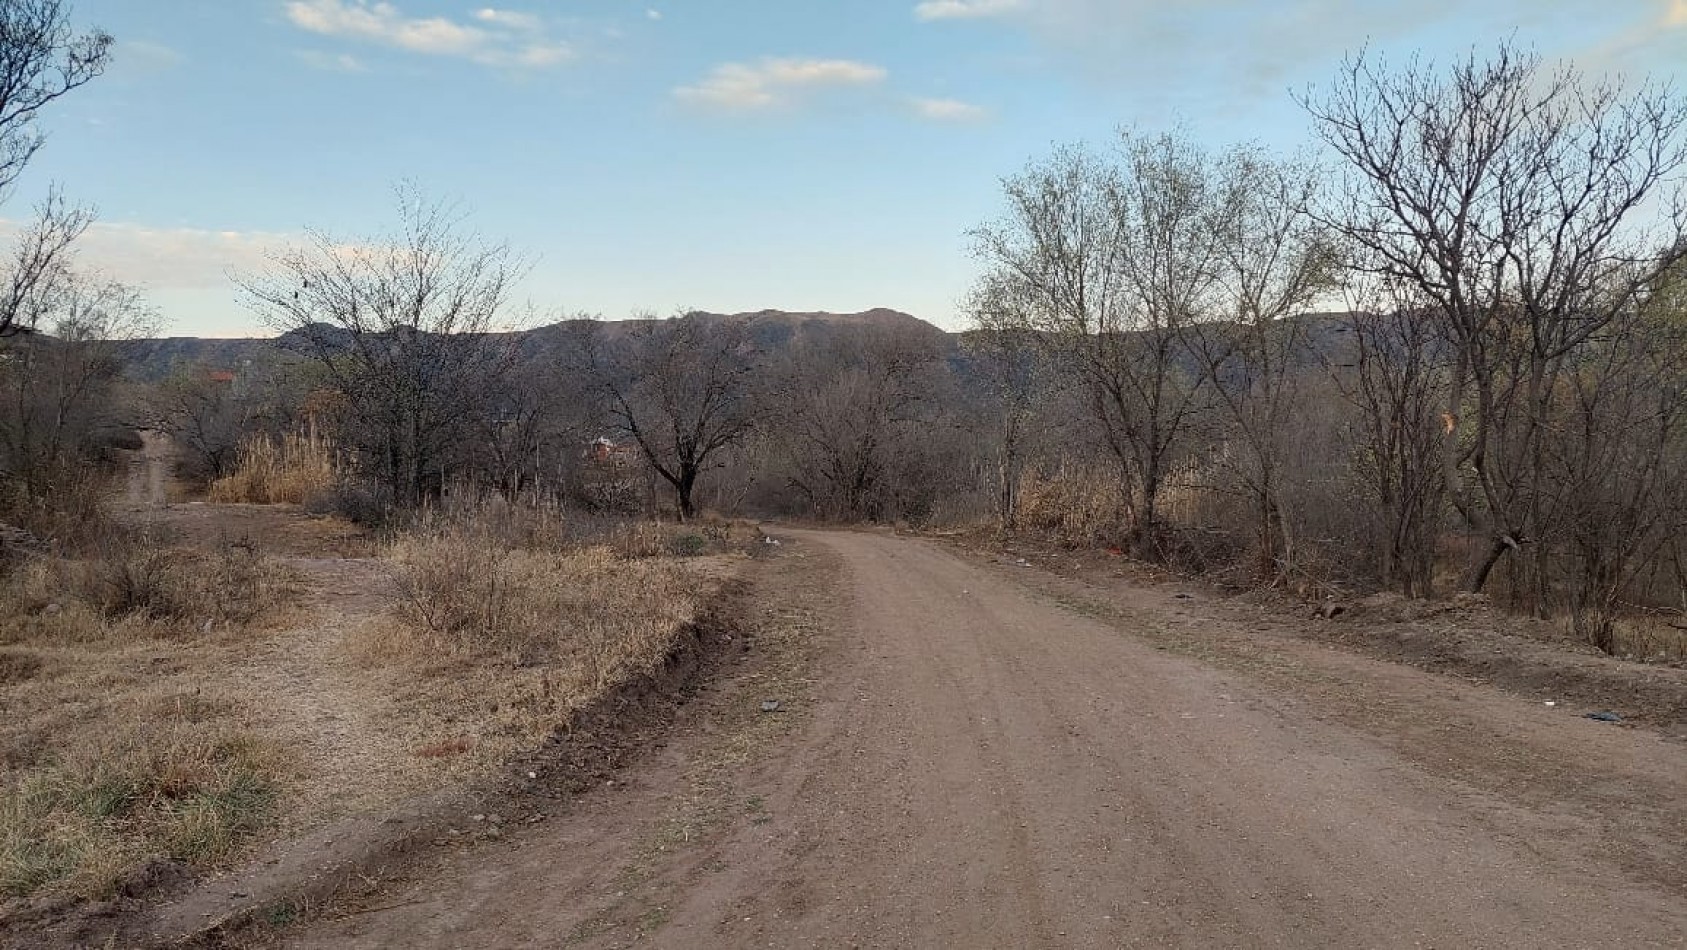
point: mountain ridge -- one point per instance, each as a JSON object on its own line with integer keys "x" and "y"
{"x": 154, "y": 359}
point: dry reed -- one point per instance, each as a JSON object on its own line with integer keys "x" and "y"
{"x": 290, "y": 470}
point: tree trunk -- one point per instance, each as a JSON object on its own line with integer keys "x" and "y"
{"x": 1479, "y": 576}
{"x": 682, "y": 488}
{"x": 1144, "y": 536}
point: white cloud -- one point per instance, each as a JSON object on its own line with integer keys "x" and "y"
{"x": 1627, "y": 52}
{"x": 947, "y": 110}
{"x": 1228, "y": 53}
{"x": 526, "y": 22}
{"x": 496, "y": 37}
{"x": 775, "y": 81}
{"x": 653, "y": 14}
{"x": 965, "y": 9}
{"x": 168, "y": 258}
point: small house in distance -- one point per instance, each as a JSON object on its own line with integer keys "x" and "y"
{"x": 606, "y": 451}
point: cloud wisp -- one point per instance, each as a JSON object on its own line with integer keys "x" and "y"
{"x": 947, "y": 110}
{"x": 775, "y": 81}
{"x": 168, "y": 258}
{"x": 492, "y": 37}
{"x": 1253, "y": 50}
{"x": 965, "y": 9}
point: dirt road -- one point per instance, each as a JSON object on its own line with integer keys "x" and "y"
{"x": 982, "y": 767}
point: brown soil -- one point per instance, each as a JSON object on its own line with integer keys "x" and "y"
{"x": 998, "y": 756}
{"x": 1461, "y": 636}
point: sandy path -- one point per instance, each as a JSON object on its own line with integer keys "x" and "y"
{"x": 984, "y": 768}
{"x": 146, "y": 485}
{"x": 306, "y": 694}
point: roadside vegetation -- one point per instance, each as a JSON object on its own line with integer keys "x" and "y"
{"x": 495, "y": 640}
{"x": 1438, "y": 354}
{"x": 119, "y": 745}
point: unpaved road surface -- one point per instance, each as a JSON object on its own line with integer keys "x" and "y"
{"x": 981, "y": 766}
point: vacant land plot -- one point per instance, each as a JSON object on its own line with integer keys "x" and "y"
{"x": 239, "y": 674}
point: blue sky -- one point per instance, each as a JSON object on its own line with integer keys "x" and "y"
{"x": 651, "y": 155}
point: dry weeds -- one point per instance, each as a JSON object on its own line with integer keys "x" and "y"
{"x": 115, "y": 750}
{"x": 497, "y": 647}
{"x": 1076, "y": 503}
{"x": 176, "y": 703}
{"x": 1653, "y": 637}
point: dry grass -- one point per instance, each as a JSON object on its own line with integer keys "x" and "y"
{"x": 86, "y": 817}
{"x": 146, "y": 719}
{"x": 1649, "y": 637}
{"x": 115, "y": 750}
{"x": 291, "y": 470}
{"x": 492, "y": 648}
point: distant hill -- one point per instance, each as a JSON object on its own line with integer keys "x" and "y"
{"x": 158, "y": 359}
{"x": 154, "y": 360}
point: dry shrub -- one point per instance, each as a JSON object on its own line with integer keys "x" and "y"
{"x": 69, "y": 519}
{"x": 179, "y": 790}
{"x": 490, "y": 648}
{"x": 230, "y": 585}
{"x": 40, "y": 603}
{"x": 468, "y": 594}
{"x": 524, "y": 524}
{"x": 291, "y": 470}
{"x": 703, "y": 536}
{"x": 1650, "y": 636}
{"x": 136, "y": 586}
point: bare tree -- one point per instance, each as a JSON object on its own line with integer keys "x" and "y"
{"x": 209, "y": 414}
{"x": 40, "y": 268}
{"x": 1274, "y": 261}
{"x": 848, "y": 411}
{"x": 1614, "y": 469}
{"x": 1015, "y": 379}
{"x": 1109, "y": 260}
{"x": 59, "y": 385}
{"x": 1519, "y": 204}
{"x": 1393, "y": 368}
{"x": 681, "y": 388}
{"x": 528, "y": 440}
{"x": 404, "y": 329}
{"x": 41, "y": 59}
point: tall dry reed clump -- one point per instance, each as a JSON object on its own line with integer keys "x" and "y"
{"x": 289, "y": 470}
{"x": 1073, "y": 503}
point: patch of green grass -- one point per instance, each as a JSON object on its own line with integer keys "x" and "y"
{"x": 688, "y": 545}
{"x": 280, "y": 915}
{"x": 77, "y": 824}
